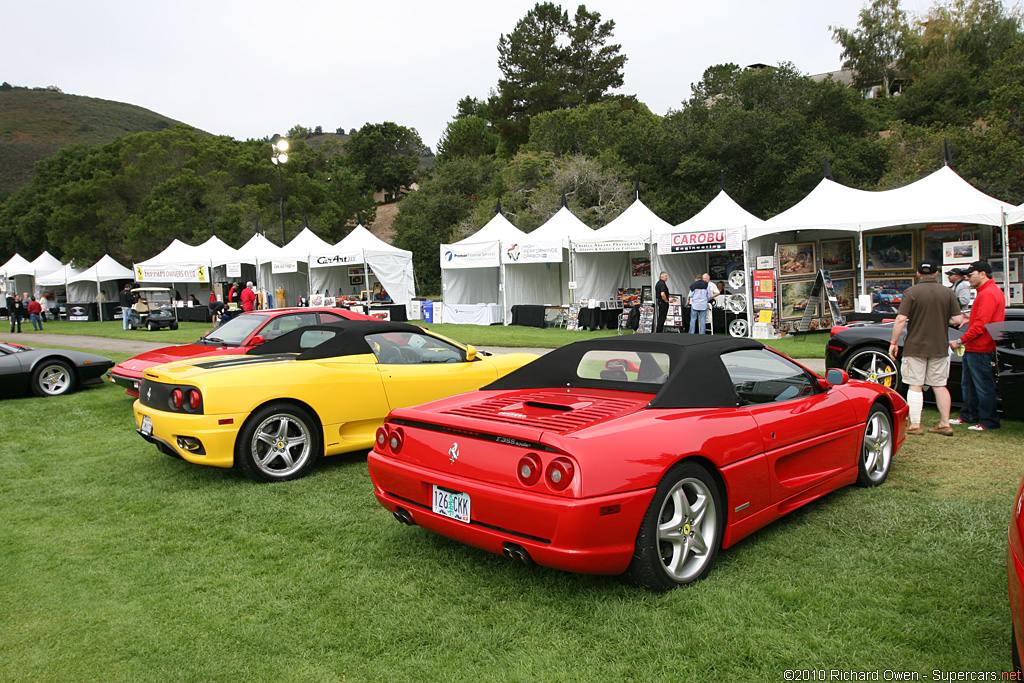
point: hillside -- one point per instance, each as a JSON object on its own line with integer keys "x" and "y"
{"x": 36, "y": 123}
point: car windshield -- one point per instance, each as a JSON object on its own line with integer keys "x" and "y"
{"x": 10, "y": 348}
{"x": 625, "y": 366}
{"x": 234, "y": 331}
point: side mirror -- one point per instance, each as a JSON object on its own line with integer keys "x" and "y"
{"x": 835, "y": 376}
{"x": 470, "y": 352}
{"x": 257, "y": 340}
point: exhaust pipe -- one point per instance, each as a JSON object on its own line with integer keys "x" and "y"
{"x": 516, "y": 553}
{"x": 402, "y": 515}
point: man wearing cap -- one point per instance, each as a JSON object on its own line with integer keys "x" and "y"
{"x": 978, "y": 382}
{"x": 961, "y": 287}
{"x": 248, "y": 297}
{"x": 930, "y": 308}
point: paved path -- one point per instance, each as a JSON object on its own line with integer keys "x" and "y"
{"x": 136, "y": 346}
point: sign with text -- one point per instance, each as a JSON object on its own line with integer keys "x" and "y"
{"x": 701, "y": 240}
{"x": 483, "y": 255}
{"x": 233, "y": 270}
{"x": 284, "y": 266}
{"x": 764, "y": 284}
{"x": 532, "y": 252}
{"x": 172, "y": 273}
{"x": 609, "y": 245}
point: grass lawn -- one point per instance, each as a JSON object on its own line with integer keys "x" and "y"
{"x": 810, "y": 345}
{"x": 123, "y": 564}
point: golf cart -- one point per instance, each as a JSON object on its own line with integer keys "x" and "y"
{"x": 153, "y": 309}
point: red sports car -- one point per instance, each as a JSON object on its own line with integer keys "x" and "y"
{"x": 642, "y": 454}
{"x": 1015, "y": 574}
{"x": 234, "y": 337}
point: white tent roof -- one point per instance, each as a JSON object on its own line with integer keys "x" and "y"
{"x": 497, "y": 229}
{"x": 177, "y": 253}
{"x": 942, "y": 197}
{"x": 564, "y": 226}
{"x": 58, "y": 277}
{"x": 390, "y": 265}
{"x": 361, "y": 239}
{"x": 16, "y": 265}
{"x": 258, "y": 248}
{"x": 217, "y": 252}
{"x": 45, "y": 263}
{"x": 101, "y": 271}
{"x": 304, "y": 244}
{"x": 636, "y": 222}
{"x": 1014, "y": 216}
{"x": 721, "y": 212}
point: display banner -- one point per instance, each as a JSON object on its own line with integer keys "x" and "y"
{"x": 609, "y": 245}
{"x": 172, "y": 274}
{"x": 729, "y": 239}
{"x": 233, "y": 270}
{"x": 532, "y": 252}
{"x": 764, "y": 284}
{"x": 483, "y": 255}
{"x": 324, "y": 260}
{"x": 284, "y": 266}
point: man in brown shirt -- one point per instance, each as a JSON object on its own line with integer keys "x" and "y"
{"x": 930, "y": 308}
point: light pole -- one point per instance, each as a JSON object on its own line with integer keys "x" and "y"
{"x": 279, "y": 158}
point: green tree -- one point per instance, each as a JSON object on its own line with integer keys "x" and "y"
{"x": 876, "y": 49}
{"x": 468, "y": 136}
{"x": 386, "y": 155}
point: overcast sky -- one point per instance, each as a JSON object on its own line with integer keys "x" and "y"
{"x": 252, "y": 68}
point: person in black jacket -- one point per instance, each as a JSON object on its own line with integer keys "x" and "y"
{"x": 15, "y": 311}
{"x": 127, "y": 300}
{"x": 661, "y": 295}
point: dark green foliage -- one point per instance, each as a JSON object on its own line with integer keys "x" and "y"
{"x": 386, "y": 154}
{"x": 467, "y": 136}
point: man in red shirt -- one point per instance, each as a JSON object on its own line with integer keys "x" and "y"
{"x": 978, "y": 382}
{"x": 34, "y": 310}
{"x": 248, "y": 297}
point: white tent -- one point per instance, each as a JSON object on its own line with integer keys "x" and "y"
{"x": 186, "y": 268}
{"x": 603, "y": 263}
{"x": 1014, "y": 216}
{"x": 17, "y": 275}
{"x": 391, "y": 266}
{"x": 537, "y": 269}
{"x": 58, "y": 278}
{"x": 99, "y": 282}
{"x": 44, "y": 264}
{"x": 471, "y": 273}
{"x": 288, "y": 271}
{"x": 260, "y": 251}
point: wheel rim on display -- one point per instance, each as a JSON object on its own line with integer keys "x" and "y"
{"x": 54, "y": 380}
{"x": 738, "y": 328}
{"x": 737, "y": 303}
{"x": 874, "y": 366}
{"x": 687, "y": 528}
{"x": 737, "y": 279}
{"x": 281, "y": 445}
{"x": 878, "y": 439}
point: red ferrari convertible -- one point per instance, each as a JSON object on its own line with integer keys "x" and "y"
{"x": 642, "y": 454}
{"x": 234, "y": 337}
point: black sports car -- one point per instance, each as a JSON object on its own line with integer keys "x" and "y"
{"x": 47, "y": 372}
{"x": 862, "y": 349}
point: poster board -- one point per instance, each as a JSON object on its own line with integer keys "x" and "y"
{"x": 646, "y": 319}
{"x": 675, "y": 311}
{"x": 572, "y": 320}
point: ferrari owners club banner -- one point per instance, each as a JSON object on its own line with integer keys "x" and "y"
{"x": 729, "y": 239}
{"x": 172, "y": 273}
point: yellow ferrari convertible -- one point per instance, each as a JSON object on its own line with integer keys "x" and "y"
{"x": 319, "y": 390}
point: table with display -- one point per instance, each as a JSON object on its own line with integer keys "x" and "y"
{"x": 471, "y": 314}
{"x": 534, "y": 315}
{"x": 599, "y": 318}
{"x": 194, "y": 314}
{"x": 397, "y": 312}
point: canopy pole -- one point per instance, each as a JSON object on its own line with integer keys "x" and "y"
{"x": 1006, "y": 254}
{"x": 860, "y": 250}
{"x": 748, "y": 274}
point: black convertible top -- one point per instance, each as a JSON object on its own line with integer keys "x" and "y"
{"x": 346, "y": 338}
{"x": 697, "y": 377}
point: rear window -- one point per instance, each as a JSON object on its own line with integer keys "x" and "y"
{"x": 625, "y": 366}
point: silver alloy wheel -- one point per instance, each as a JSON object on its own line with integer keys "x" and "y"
{"x": 875, "y": 366}
{"x": 54, "y": 380}
{"x": 687, "y": 528}
{"x": 738, "y": 327}
{"x": 877, "y": 451}
{"x": 281, "y": 445}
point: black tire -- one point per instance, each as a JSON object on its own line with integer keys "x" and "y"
{"x": 874, "y": 364}
{"x": 53, "y": 378}
{"x": 681, "y": 532}
{"x": 279, "y": 442}
{"x": 174, "y": 325}
{"x": 877, "y": 448}
{"x": 152, "y": 326}
{"x": 131, "y": 324}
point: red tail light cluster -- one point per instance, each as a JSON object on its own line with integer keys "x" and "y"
{"x": 390, "y": 439}
{"x": 558, "y": 474}
{"x": 186, "y": 399}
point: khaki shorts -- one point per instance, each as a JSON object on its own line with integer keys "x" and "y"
{"x": 931, "y": 372}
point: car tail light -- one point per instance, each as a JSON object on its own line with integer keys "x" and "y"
{"x": 382, "y": 437}
{"x": 528, "y": 470}
{"x": 395, "y": 440}
{"x": 836, "y": 329}
{"x": 559, "y": 473}
{"x": 194, "y": 399}
{"x": 176, "y": 398}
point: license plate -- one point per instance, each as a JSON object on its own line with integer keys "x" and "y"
{"x": 147, "y": 425}
{"x": 451, "y": 504}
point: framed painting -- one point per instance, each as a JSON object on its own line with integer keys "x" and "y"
{"x": 721, "y": 263}
{"x": 932, "y": 244}
{"x": 837, "y": 254}
{"x": 355, "y": 279}
{"x": 797, "y": 259}
{"x": 353, "y": 271}
{"x": 888, "y": 251}
{"x": 1016, "y": 233}
{"x": 962, "y": 252}
{"x": 998, "y": 271}
{"x": 887, "y": 292}
{"x": 641, "y": 267}
{"x": 846, "y": 292}
{"x": 794, "y": 297}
